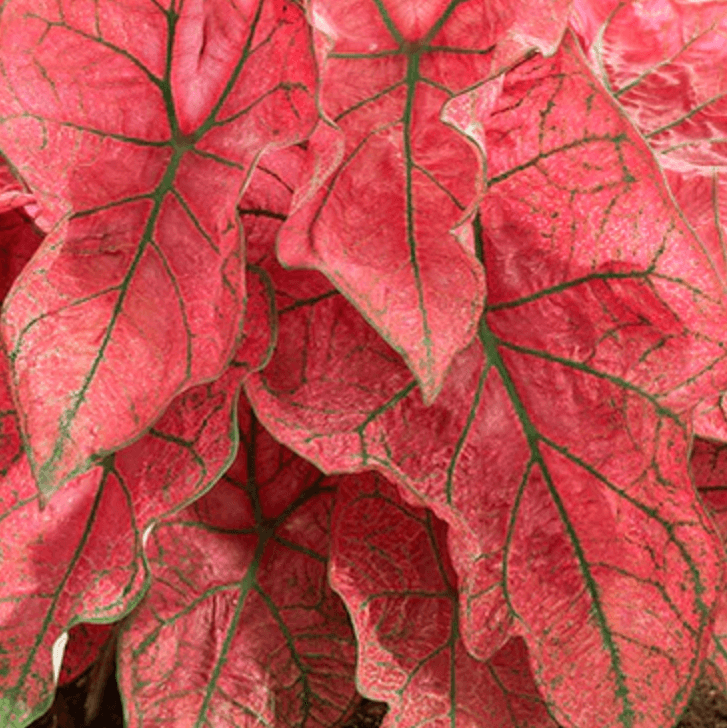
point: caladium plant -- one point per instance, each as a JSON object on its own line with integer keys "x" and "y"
{"x": 364, "y": 347}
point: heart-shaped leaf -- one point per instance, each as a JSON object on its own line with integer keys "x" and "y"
{"x": 388, "y": 184}
{"x": 240, "y": 626}
{"x": 154, "y": 116}
{"x": 389, "y": 564}
{"x": 557, "y": 449}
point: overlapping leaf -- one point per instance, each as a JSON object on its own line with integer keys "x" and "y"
{"x": 709, "y": 470}
{"x": 80, "y": 559}
{"x": 12, "y": 193}
{"x": 663, "y": 61}
{"x": 557, "y": 449}
{"x": 389, "y": 564}
{"x": 143, "y": 122}
{"x": 19, "y": 237}
{"x": 388, "y": 184}
{"x": 240, "y": 626}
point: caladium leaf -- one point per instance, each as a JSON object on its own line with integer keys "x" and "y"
{"x": 557, "y": 449}
{"x": 709, "y": 470}
{"x": 240, "y": 626}
{"x": 260, "y": 332}
{"x": 662, "y": 60}
{"x": 19, "y": 239}
{"x": 80, "y": 559}
{"x": 702, "y": 195}
{"x": 708, "y": 464}
{"x": 388, "y": 185}
{"x": 389, "y": 564}
{"x": 156, "y": 115}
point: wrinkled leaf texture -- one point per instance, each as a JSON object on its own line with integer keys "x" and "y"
{"x": 81, "y": 559}
{"x": 240, "y": 626}
{"x": 381, "y": 207}
{"x": 156, "y": 116}
{"x": 562, "y": 528}
{"x": 664, "y": 63}
{"x": 497, "y": 305}
{"x": 389, "y": 564}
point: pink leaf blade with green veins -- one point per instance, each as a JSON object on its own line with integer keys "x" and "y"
{"x": 80, "y": 559}
{"x": 240, "y": 618}
{"x": 562, "y": 527}
{"x": 389, "y": 183}
{"x": 663, "y": 61}
{"x": 389, "y": 564}
{"x": 378, "y": 221}
{"x": 138, "y": 291}
{"x": 709, "y": 470}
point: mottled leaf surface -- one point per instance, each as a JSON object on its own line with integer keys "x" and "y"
{"x": 13, "y": 193}
{"x": 154, "y": 116}
{"x": 557, "y": 449}
{"x": 19, "y": 239}
{"x": 664, "y": 61}
{"x": 240, "y": 626}
{"x": 388, "y": 184}
{"x": 80, "y": 559}
{"x": 389, "y": 564}
{"x": 709, "y": 469}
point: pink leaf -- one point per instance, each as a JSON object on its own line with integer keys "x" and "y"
{"x": 557, "y": 449}
{"x": 387, "y": 183}
{"x": 13, "y": 193}
{"x": 80, "y": 559}
{"x": 663, "y": 60}
{"x": 240, "y": 626}
{"x": 709, "y": 469}
{"x": 389, "y": 564}
{"x": 155, "y": 117}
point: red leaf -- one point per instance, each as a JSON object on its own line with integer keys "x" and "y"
{"x": 240, "y": 625}
{"x": 709, "y": 469}
{"x": 663, "y": 61}
{"x": 13, "y": 194}
{"x": 155, "y": 117}
{"x": 388, "y": 185}
{"x": 389, "y": 564}
{"x": 80, "y": 558}
{"x": 19, "y": 239}
{"x": 557, "y": 450}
